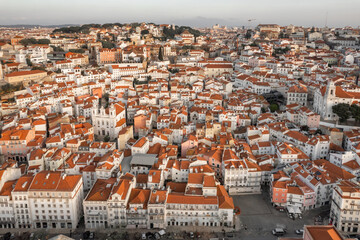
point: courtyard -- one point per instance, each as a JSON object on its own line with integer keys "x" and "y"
{"x": 258, "y": 218}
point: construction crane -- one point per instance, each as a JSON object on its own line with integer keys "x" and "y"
{"x": 250, "y": 20}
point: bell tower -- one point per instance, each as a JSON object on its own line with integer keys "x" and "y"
{"x": 330, "y": 89}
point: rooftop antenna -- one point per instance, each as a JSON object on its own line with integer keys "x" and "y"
{"x": 326, "y": 19}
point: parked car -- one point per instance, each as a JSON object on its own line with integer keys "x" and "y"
{"x": 230, "y": 235}
{"x": 280, "y": 209}
{"x": 278, "y": 232}
{"x": 150, "y": 235}
{"x": 86, "y": 235}
{"x": 143, "y": 236}
{"x": 8, "y": 236}
{"x": 157, "y": 236}
{"x": 91, "y": 235}
{"x": 162, "y": 232}
{"x": 282, "y": 226}
{"x": 299, "y": 231}
{"x": 191, "y": 235}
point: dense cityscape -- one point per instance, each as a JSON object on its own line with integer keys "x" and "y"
{"x": 159, "y": 131}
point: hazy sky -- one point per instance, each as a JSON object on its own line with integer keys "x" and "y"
{"x": 182, "y": 12}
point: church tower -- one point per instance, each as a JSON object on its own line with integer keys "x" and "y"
{"x": 330, "y": 89}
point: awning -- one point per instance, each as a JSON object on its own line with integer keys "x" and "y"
{"x": 290, "y": 209}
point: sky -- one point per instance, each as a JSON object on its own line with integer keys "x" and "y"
{"x": 196, "y": 13}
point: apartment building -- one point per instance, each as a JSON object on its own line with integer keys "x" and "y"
{"x": 345, "y": 207}
{"x": 48, "y": 199}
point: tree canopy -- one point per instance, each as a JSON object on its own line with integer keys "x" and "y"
{"x": 355, "y": 112}
{"x": 30, "y": 41}
{"x": 79, "y": 50}
{"x": 144, "y": 32}
{"x": 304, "y": 128}
{"x": 343, "y": 111}
{"x": 57, "y": 49}
{"x": 169, "y": 33}
{"x": 107, "y": 138}
{"x": 248, "y": 34}
{"x": 107, "y": 44}
{"x": 77, "y": 29}
{"x": 274, "y": 107}
{"x": 8, "y": 88}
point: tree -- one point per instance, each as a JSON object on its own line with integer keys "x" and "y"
{"x": 263, "y": 35}
{"x": 28, "y": 62}
{"x": 29, "y": 41}
{"x": 248, "y": 34}
{"x": 318, "y": 131}
{"x": 57, "y": 49}
{"x": 106, "y": 44}
{"x": 107, "y": 138}
{"x": 43, "y": 41}
{"x": 79, "y": 50}
{"x": 106, "y": 97}
{"x": 38, "y": 68}
{"x": 342, "y": 110}
{"x": 7, "y": 88}
{"x": 355, "y": 112}
{"x": 174, "y": 70}
{"x": 161, "y": 58}
{"x": 282, "y": 35}
{"x": 144, "y": 32}
{"x": 274, "y": 107}
{"x": 304, "y": 128}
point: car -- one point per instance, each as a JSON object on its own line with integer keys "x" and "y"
{"x": 299, "y": 231}
{"x": 91, "y": 235}
{"x": 143, "y": 236}
{"x": 282, "y": 226}
{"x": 157, "y": 236}
{"x": 191, "y": 235}
{"x": 280, "y": 209}
{"x": 162, "y": 232}
{"x": 86, "y": 235}
{"x": 278, "y": 232}
{"x": 8, "y": 236}
{"x": 230, "y": 235}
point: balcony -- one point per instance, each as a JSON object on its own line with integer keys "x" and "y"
{"x": 93, "y": 213}
{"x": 157, "y": 221}
{"x": 158, "y": 213}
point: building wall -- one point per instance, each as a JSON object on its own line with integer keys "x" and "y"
{"x": 25, "y": 78}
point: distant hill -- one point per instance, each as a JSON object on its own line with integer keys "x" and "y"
{"x": 169, "y": 33}
{"x": 34, "y": 25}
